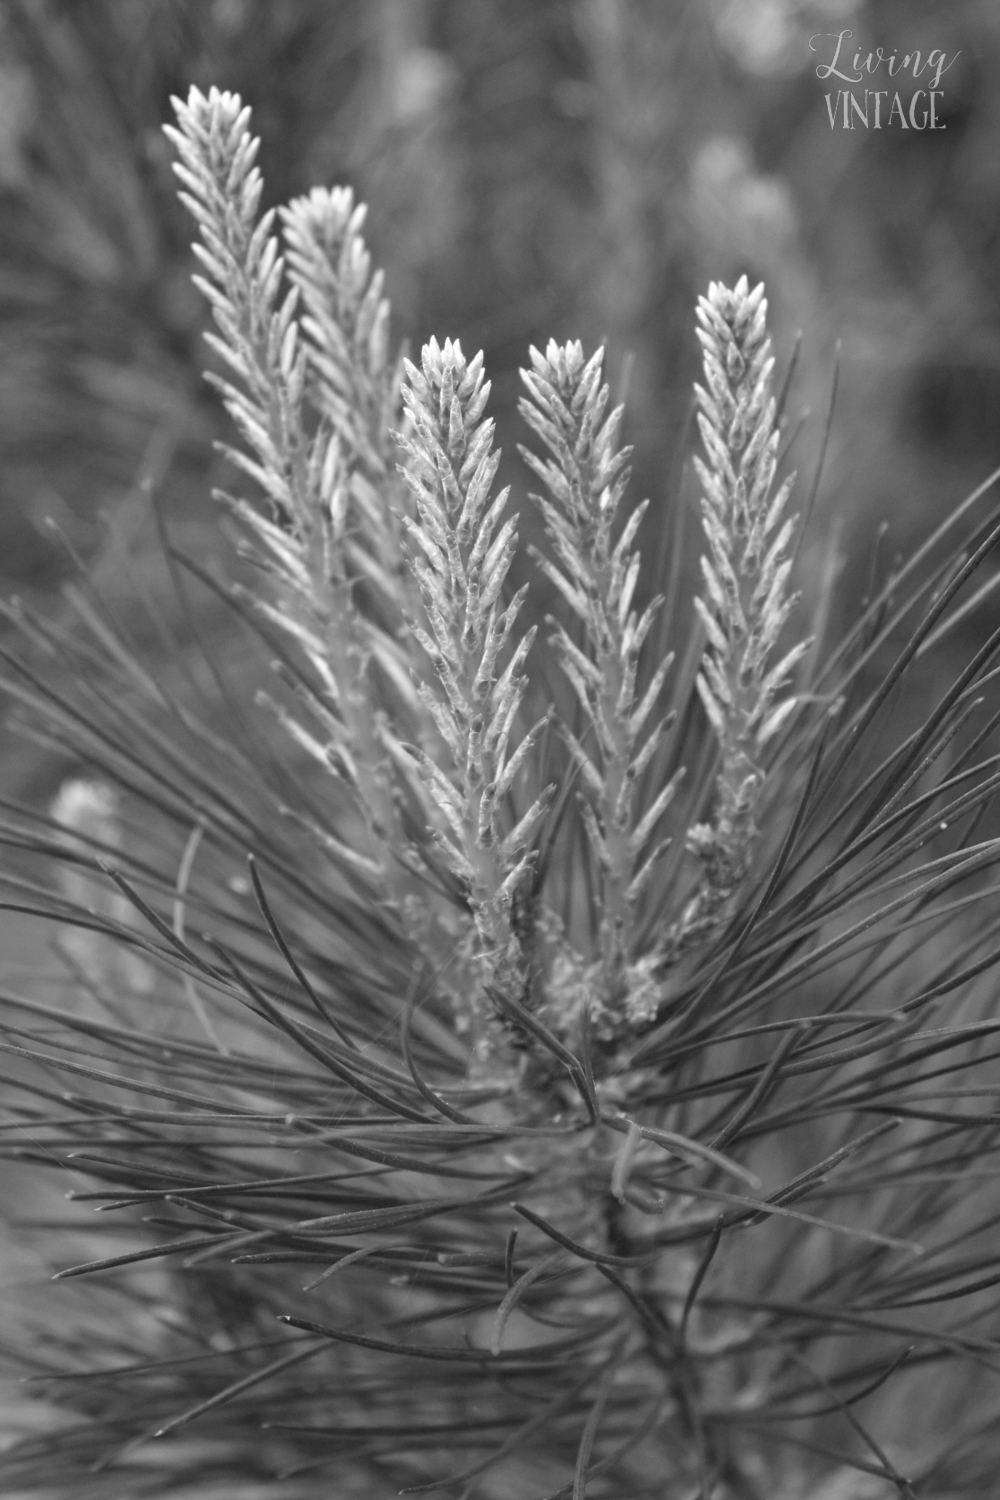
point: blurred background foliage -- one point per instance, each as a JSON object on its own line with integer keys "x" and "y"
{"x": 534, "y": 168}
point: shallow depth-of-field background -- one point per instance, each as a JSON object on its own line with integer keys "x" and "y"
{"x": 534, "y": 169}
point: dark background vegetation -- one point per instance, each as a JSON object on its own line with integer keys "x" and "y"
{"x": 534, "y": 168}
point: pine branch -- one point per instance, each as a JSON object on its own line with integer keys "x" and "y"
{"x": 745, "y": 605}
{"x": 355, "y": 382}
{"x": 308, "y": 469}
{"x": 586, "y": 476}
{"x": 463, "y": 551}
